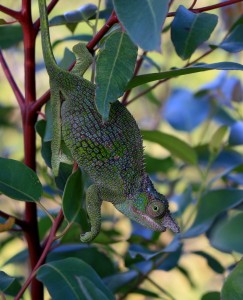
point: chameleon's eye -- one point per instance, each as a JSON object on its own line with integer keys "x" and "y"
{"x": 155, "y": 209}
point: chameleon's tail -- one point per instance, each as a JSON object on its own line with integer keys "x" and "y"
{"x": 49, "y": 59}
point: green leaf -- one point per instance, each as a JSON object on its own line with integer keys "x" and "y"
{"x": 211, "y": 296}
{"x": 72, "y": 197}
{"x": 60, "y": 278}
{"x": 115, "y": 67}
{"x": 212, "y": 262}
{"x": 9, "y": 285}
{"x": 233, "y": 287}
{"x": 216, "y": 141}
{"x": 234, "y": 41}
{"x": 72, "y": 18}
{"x": 174, "y": 145}
{"x": 5, "y": 115}
{"x": 18, "y": 181}
{"x": 76, "y": 37}
{"x": 143, "y": 20}
{"x": 190, "y": 30}
{"x": 154, "y": 164}
{"x": 141, "y": 79}
{"x": 211, "y": 205}
{"x": 225, "y": 236}
{"x": 95, "y": 258}
{"x": 10, "y": 35}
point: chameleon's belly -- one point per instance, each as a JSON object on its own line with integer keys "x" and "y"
{"x": 108, "y": 152}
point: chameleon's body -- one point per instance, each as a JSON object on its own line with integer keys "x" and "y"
{"x": 110, "y": 152}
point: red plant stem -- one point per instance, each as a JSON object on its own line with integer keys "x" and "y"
{"x": 49, "y": 242}
{"x": 100, "y": 34}
{"x": 28, "y": 120}
{"x": 9, "y": 76}
{"x": 12, "y": 13}
{"x": 138, "y": 66}
{"x": 210, "y": 7}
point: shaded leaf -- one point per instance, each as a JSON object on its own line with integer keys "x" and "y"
{"x": 9, "y": 285}
{"x": 190, "y": 30}
{"x": 174, "y": 145}
{"x": 211, "y": 205}
{"x": 234, "y": 41}
{"x": 64, "y": 172}
{"x": 99, "y": 261}
{"x": 141, "y": 79}
{"x": 212, "y": 262}
{"x": 154, "y": 164}
{"x": 72, "y": 196}
{"x": 60, "y": 278}
{"x": 10, "y": 35}
{"x": 225, "y": 236}
{"x": 211, "y": 296}
{"x": 149, "y": 15}
{"x": 76, "y": 37}
{"x": 233, "y": 288}
{"x": 5, "y": 115}
{"x": 26, "y": 187}
{"x": 115, "y": 67}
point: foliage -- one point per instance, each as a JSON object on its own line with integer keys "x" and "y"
{"x": 197, "y": 160}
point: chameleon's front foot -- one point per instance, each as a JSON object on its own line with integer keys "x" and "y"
{"x": 93, "y": 204}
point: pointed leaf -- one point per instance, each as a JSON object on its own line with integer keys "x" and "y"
{"x": 174, "y": 145}
{"x": 217, "y": 139}
{"x": 190, "y": 30}
{"x": 141, "y": 79}
{"x": 233, "y": 287}
{"x": 72, "y": 197}
{"x": 18, "y": 181}
{"x": 60, "y": 278}
{"x": 115, "y": 67}
{"x": 143, "y": 20}
{"x": 9, "y": 285}
{"x": 211, "y": 205}
{"x": 225, "y": 236}
{"x": 234, "y": 41}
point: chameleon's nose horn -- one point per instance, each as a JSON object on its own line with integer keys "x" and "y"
{"x": 169, "y": 222}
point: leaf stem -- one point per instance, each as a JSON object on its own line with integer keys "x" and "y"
{"x": 12, "y": 13}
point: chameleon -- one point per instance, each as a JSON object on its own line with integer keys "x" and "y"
{"x": 110, "y": 152}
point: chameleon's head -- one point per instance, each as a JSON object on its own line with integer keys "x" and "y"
{"x": 149, "y": 208}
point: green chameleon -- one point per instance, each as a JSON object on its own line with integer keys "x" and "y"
{"x": 111, "y": 152}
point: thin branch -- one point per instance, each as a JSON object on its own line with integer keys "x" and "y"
{"x": 210, "y": 7}
{"x": 193, "y": 4}
{"x": 9, "y": 76}
{"x": 50, "y": 240}
{"x": 12, "y": 13}
{"x": 138, "y": 66}
{"x": 100, "y": 34}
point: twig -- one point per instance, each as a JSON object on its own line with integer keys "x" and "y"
{"x": 18, "y": 222}
{"x": 9, "y": 76}
{"x": 50, "y": 240}
{"x": 12, "y": 13}
{"x": 207, "y": 8}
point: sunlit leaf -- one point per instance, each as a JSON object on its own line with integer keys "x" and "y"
{"x": 174, "y": 145}
{"x": 216, "y": 141}
{"x": 141, "y": 79}
{"x": 143, "y": 20}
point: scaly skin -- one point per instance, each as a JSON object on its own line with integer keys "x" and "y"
{"x": 111, "y": 152}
